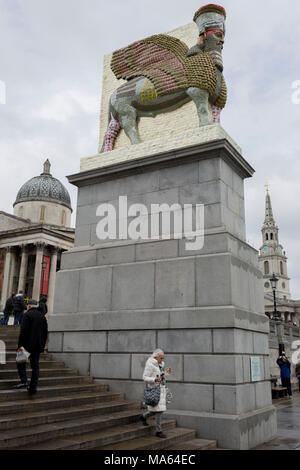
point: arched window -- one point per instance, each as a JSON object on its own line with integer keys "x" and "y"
{"x": 267, "y": 267}
{"x": 63, "y": 218}
{"x": 42, "y": 213}
{"x": 272, "y": 236}
{"x": 281, "y": 268}
{"x": 21, "y": 211}
{"x": 267, "y": 237}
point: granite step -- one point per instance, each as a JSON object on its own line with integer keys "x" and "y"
{"x": 50, "y": 403}
{"x": 11, "y": 356}
{"x": 13, "y": 373}
{"x": 194, "y": 444}
{"x": 44, "y": 364}
{"x": 49, "y": 381}
{"x": 175, "y": 435}
{"x": 36, "y": 434}
{"x": 100, "y": 438}
{"x": 35, "y": 418}
{"x": 47, "y": 392}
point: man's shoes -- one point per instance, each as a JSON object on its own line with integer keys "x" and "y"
{"x": 161, "y": 435}
{"x": 19, "y": 386}
{"x": 31, "y": 391}
{"x": 144, "y": 420}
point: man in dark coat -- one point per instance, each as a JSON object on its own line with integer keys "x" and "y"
{"x": 8, "y": 309}
{"x": 19, "y": 307}
{"x": 285, "y": 373}
{"x": 33, "y": 337}
{"x": 43, "y": 305}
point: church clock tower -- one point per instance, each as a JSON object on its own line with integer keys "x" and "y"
{"x": 272, "y": 258}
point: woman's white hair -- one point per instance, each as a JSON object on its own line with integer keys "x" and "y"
{"x": 157, "y": 353}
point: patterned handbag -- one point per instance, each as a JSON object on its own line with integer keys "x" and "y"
{"x": 152, "y": 395}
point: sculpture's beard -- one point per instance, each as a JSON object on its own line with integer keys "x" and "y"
{"x": 217, "y": 58}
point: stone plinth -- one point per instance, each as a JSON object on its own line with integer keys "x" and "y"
{"x": 116, "y": 301}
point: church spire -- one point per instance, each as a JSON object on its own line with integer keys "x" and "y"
{"x": 269, "y": 211}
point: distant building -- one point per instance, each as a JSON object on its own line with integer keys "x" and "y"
{"x": 273, "y": 260}
{"x": 33, "y": 238}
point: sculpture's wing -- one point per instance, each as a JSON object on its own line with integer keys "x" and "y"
{"x": 160, "y": 58}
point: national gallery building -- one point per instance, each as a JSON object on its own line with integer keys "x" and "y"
{"x": 33, "y": 238}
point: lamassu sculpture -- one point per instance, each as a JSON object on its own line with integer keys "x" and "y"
{"x": 163, "y": 74}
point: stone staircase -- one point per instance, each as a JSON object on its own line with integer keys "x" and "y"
{"x": 72, "y": 412}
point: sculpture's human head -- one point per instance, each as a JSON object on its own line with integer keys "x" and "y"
{"x": 210, "y": 20}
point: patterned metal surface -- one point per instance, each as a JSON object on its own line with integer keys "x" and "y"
{"x": 44, "y": 187}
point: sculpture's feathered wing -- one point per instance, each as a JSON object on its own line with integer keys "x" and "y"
{"x": 163, "y": 60}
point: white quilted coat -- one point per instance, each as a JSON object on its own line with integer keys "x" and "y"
{"x": 151, "y": 371}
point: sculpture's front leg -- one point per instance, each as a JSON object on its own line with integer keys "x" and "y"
{"x": 200, "y": 98}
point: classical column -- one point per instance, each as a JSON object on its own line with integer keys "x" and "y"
{"x": 38, "y": 271}
{"x": 12, "y": 272}
{"x": 23, "y": 268}
{"x": 7, "y": 269}
{"x": 51, "y": 286}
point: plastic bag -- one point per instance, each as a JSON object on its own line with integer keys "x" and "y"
{"x": 22, "y": 355}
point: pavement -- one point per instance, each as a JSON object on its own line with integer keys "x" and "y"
{"x": 288, "y": 418}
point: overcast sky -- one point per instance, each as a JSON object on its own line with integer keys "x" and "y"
{"x": 51, "y": 61}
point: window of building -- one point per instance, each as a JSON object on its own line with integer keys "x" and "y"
{"x": 283, "y": 285}
{"x": 281, "y": 267}
{"x": 267, "y": 285}
{"x": 267, "y": 236}
{"x": 42, "y": 213}
{"x": 21, "y": 211}
{"x": 267, "y": 267}
{"x": 63, "y": 218}
{"x": 272, "y": 236}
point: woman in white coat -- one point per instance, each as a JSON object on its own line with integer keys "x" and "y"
{"x": 155, "y": 373}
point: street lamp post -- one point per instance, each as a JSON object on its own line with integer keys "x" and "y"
{"x": 279, "y": 327}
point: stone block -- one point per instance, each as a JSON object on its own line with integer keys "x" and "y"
{"x": 79, "y": 361}
{"x": 233, "y": 341}
{"x": 55, "y": 342}
{"x": 209, "y": 170}
{"x": 95, "y": 289}
{"x": 133, "y": 390}
{"x": 91, "y": 341}
{"x": 131, "y": 341}
{"x": 246, "y": 369}
{"x": 204, "y": 193}
{"x": 175, "y": 362}
{"x": 156, "y": 250}
{"x": 263, "y": 394}
{"x": 215, "y": 369}
{"x": 82, "y": 235}
{"x": 66, "y": 292}
{"x": 196, "y": 397}
{"x": 213, "y": 283}
{"x": 237, "y": 399}
{"x": 85, "y": 195}
{"x": 178, "y": 175}
{"x": 267, "y": 368}
{"x": 78, "y": 259}
{"x": 175, "y": 284}
{"x": 261, "y": 343}
{"x": 110, "y": 366}
{"x": 213, "y": 243}
{"x": 132, "y": 320}
{"x": 86, "y": 215}
{"x": 226, "y": 173}
{"x": 262, "y": 427}
{"x": 133, "y": 286}
{"x": 116, "y": 255}
{"x": 185, "y": 341}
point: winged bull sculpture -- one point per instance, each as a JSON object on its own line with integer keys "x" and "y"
{"x": 162, "y": 74}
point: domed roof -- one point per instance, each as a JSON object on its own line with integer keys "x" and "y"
{"x": 44, "y": 188}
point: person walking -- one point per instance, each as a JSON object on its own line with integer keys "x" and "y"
{"x": 8, "y": 309}
{"x": 33, "y": 337}
{"x": 19, "y": 307}
{"x": 285, "y": 372}
{"x": 43, "y": 305}
{"x": 155, "y": 373}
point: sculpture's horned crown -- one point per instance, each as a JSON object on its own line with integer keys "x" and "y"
{"x": 210, "y": 17}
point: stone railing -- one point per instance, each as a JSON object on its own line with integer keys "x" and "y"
{"x": 288, "y": 332}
